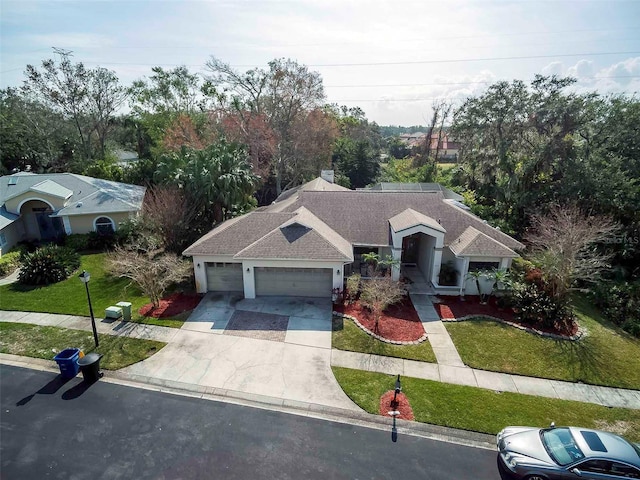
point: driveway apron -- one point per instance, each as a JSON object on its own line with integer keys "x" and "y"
{"x": 275, "y": 346}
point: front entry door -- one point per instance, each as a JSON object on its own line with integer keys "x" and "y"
{"x": 50, "y": 228}
{"x": 410, "y": 249}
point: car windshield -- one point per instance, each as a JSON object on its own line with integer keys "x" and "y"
{"x": 561, "y": 445}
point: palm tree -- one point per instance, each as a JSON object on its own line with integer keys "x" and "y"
{"x": 501, "y": 280}
{"x": 477, "y": 275}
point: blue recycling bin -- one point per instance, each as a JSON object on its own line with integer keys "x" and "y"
{"x": 67, "y": 360}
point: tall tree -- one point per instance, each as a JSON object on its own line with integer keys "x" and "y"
{"x": 284, "y": 94}
{"x": 217, "y": 181}
{"x": 88, "y": 97}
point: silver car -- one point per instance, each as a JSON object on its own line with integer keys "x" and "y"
{"x": 566, "y": 453}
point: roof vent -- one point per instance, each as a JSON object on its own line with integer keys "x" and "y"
{"x": 78, "y": 205}
{"x": 13, "y": 180}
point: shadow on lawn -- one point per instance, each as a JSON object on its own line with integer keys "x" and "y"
{"x": 585, "y": 363}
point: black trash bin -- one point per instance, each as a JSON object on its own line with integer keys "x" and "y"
{"x": 90, "y": 367}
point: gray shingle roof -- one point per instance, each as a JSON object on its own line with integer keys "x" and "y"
{"x": 293, "y": 242}
{"x": 410, "y": 218}
{"x": 88, "y": 195}
{"x": 289, "y": 235}
{"x": 362, "y": 217}
{"x": 238, "y": 233}
{"x": 475, "y": 243}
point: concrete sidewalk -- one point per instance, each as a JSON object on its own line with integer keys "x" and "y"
{"x": 502, "y": 382}
{"x": 300, "y": 373}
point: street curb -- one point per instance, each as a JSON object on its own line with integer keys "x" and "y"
{"x": 352, "y": 417}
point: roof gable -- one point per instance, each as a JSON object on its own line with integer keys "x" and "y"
{"x": 473, "y": 243}
{"x": 304, "y": 236}
{"x": 410, "y": 218}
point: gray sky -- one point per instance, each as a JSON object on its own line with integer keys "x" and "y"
{"x": 391, "y": 58}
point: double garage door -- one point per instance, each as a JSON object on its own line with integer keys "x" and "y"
{"x": 294, "y": 282}
{"x": 290, "y": 282}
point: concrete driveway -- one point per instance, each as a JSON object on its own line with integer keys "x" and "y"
{"x": 275, "y": 346}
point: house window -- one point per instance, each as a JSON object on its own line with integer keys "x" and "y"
{"x": 3, "y": 239}
{"x": 476, "y": 266}
{"x": 105, "y": 226}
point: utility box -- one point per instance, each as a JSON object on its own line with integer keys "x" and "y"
{"x": 126, "y": 310}
{"x": 112, "y": 312}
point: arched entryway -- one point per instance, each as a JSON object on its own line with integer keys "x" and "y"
{"x": 38, "y": 223}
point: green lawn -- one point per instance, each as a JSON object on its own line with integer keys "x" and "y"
{"x": 45, "y": 342}
{"x": 607, "y": 356}
{"x": 480, "y": 410}
{"x": 347, "y": 336}
{"x": 70, "y": 297}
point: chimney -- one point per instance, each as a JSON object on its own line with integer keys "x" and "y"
{"x": 327, "y": 175}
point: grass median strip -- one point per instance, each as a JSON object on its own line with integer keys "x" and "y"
{"x": 481, "y": 410}
{"x": 70, "y": 297}
{"x": 347, "y": 336}
{"x": 606, "y": 356}
{"x": 45, "y": 342}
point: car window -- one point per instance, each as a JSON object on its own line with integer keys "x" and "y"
{"x": 607, "y": 467}
{"x": 596, "y": 466}
{"x": 624, "y": 471}
{"x": 561, "y": 445}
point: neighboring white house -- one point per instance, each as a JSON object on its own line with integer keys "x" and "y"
{"x": 48, "y": 206}
{"x": 309, "y": 239}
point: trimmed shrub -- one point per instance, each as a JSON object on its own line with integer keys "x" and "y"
{"x": 533, "y": 306}
{"x": 353, "y": 287}
{"x": 620, "y": 303}
{"x": 49, "y": 264}
{"x": 9, "y": 262}
{"x": 78, "y": 242}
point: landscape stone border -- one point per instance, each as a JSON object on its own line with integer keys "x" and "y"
{"x": 374, "y": 335}
{"x": 582, "y": 332}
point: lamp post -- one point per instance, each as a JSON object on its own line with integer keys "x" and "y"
{"x": 397, "y": 390}
{"x": 84, "y": 277}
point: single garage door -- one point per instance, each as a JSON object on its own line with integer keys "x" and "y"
{"x": 224, "y": 277}
{"x": 294, "y": 282}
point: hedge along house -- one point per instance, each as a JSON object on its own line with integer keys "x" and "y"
{"x": 309, "y": 239}
{"x": 45, "y": 207}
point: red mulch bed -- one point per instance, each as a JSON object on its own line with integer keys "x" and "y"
{"x": 398, "y": 322}
{"x": 171, "y": 306}
{"x": 386, "y": 405}
{"x": 452, "y": 307}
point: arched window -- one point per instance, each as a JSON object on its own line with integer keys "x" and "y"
{"x": 104, "y": 225}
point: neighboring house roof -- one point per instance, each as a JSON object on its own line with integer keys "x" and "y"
{"x": 473, "y": 243}
{"x": 6, "y": 218}
{"x": 84, "y": 195}
{"x": 410, "y": 218}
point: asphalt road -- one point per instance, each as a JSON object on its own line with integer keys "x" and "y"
{"x": 54, "y": 430}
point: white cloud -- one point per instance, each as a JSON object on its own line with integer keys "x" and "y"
{"x": 581, "y": 70}
{"x": 554, "y": 68}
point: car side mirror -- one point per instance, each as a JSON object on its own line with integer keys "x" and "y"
{"x": 576, "y": 471}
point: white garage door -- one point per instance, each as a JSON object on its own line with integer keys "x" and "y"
{"x": 294, "y": 282}
{"x": 224, "y": 277}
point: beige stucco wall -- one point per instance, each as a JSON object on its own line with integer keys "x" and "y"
{"x": 84, "y": 223}
{"x": 13, "y": 204}
{"x": 13, "y": 233}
